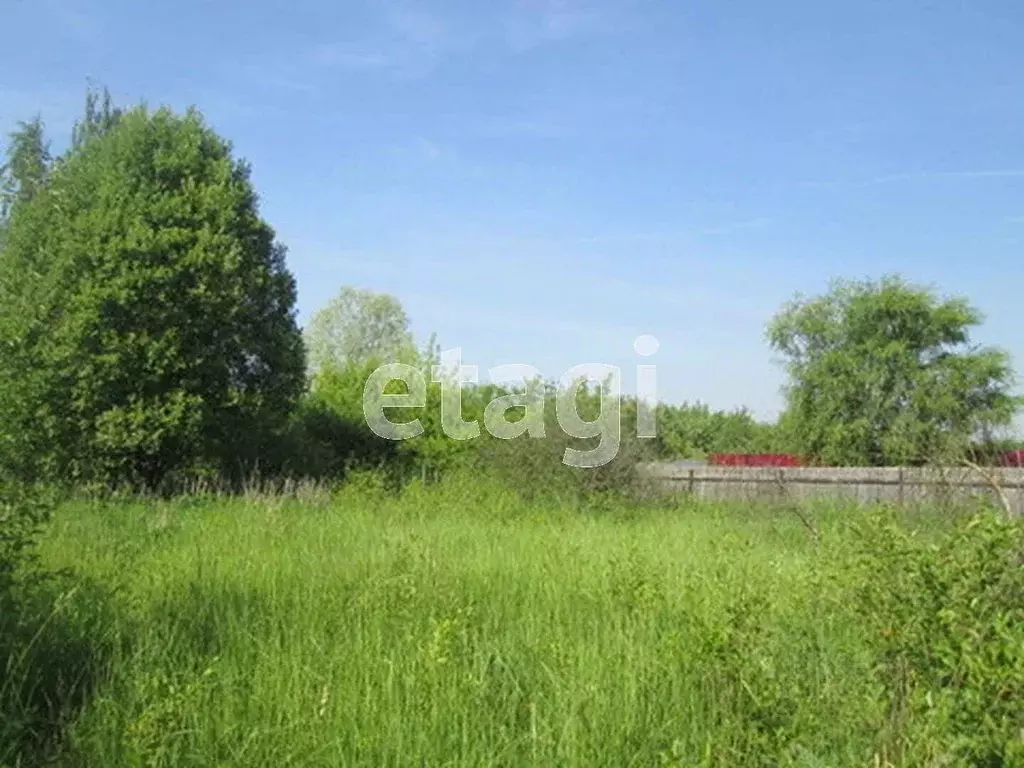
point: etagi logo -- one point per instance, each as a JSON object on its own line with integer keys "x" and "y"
{"x": 451, "y": 374}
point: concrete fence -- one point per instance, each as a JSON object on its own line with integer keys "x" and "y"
{"x": 899, "y": 485}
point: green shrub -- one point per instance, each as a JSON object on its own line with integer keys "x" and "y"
{"x": 694, "y": 431}
{"x": 536, "y": 467}
{"x": 322, "y": 444}
{"x": 945, "y": 618}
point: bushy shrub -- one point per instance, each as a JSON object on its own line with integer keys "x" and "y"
{"x": 330, "y": 435}
{"x": 945, "y": 618}
{"x": 333, "y": 426}
{"x": 695, "y": 431}
{"x": 536, "y": 466}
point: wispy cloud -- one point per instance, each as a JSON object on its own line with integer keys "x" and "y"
{"x": 535, "y": 22}
{"x": 349, "y": 56}
{"x": 404, "y": 40}
{"x": 407, "y": 43}
{"x": 418, "y": 151}
{"x": 429, "y": 150}
{"x": 682, "y": 234}
{"x": 416, "y": 26}
{"x": 726, "y": 229}
{"x": 896, "y": 178}
{"x": 993, "y": 174}
{"x": 521, "y": 127}
{"x": 411, "y": 39}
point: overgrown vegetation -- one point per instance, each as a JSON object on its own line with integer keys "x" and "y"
{"x": 946, "y": 619}
{"x": 455, "y": 623}
{"x": 440, "y": 600}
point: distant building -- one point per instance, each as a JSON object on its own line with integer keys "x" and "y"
{"x": 754, "y": 460}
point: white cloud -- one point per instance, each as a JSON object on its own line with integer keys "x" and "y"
{"x": 406, "y": 41}
{"x": 536, "y": 22}
{"x": 411, "y": 38}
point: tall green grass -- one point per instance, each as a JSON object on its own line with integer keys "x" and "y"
{"x": 451, "y": 625}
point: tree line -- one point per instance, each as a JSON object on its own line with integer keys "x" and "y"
{"x": 148, "y": 335}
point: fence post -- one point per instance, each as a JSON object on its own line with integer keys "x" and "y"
{"x": 690, "y": 481}
{"x": 901, "y": 489}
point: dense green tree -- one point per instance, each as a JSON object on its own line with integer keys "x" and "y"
{"x": 26, "y": 165}
{"x": 357, "y": 326}
{"x": 147, "y": 318}
{"x": 884, "y": 373}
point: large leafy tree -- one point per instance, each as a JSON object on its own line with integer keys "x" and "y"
{"x": 356, "y": 327}
{"x": 884, "y": 373}
{"x": 147, "y": 320}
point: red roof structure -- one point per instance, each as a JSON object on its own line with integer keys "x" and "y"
{"x": 754, "y": 460}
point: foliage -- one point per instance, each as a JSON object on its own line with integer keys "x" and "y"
{"x": 946, "y": 621}
{"x": 356, "y": 327}
{"x": 884, "y": 373}
{"x": 321, "y": 445}
{"x": 23, "y": 510}
{"x": 26, "y": 167}
{"x": 146, "y": 313}
{"x": 329, "y": 434}
{"x": 536, "y": 466}
{"x": 695, "y": 431}
{"x": 530, "y": 462}
{"x": 100, "y": 117}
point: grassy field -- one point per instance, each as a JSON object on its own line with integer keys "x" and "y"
{"x": 453, "y": 625}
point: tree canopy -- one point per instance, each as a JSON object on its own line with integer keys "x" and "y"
{"x": 26, "y": 167}
{"x": 884, "y": 373}
{"x": 147, "y": 317}
{"x": 358, "y": 326}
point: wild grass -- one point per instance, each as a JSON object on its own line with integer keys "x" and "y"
{"x": 451, "y": 625}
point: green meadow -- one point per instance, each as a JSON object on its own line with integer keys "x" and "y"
{"x": 459, "y": 625}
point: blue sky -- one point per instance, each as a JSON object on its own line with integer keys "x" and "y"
{"x": 541, "y": 181}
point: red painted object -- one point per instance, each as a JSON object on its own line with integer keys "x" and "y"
{"x": 754, "y": 460}
{"x": 1012, "y": 459}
